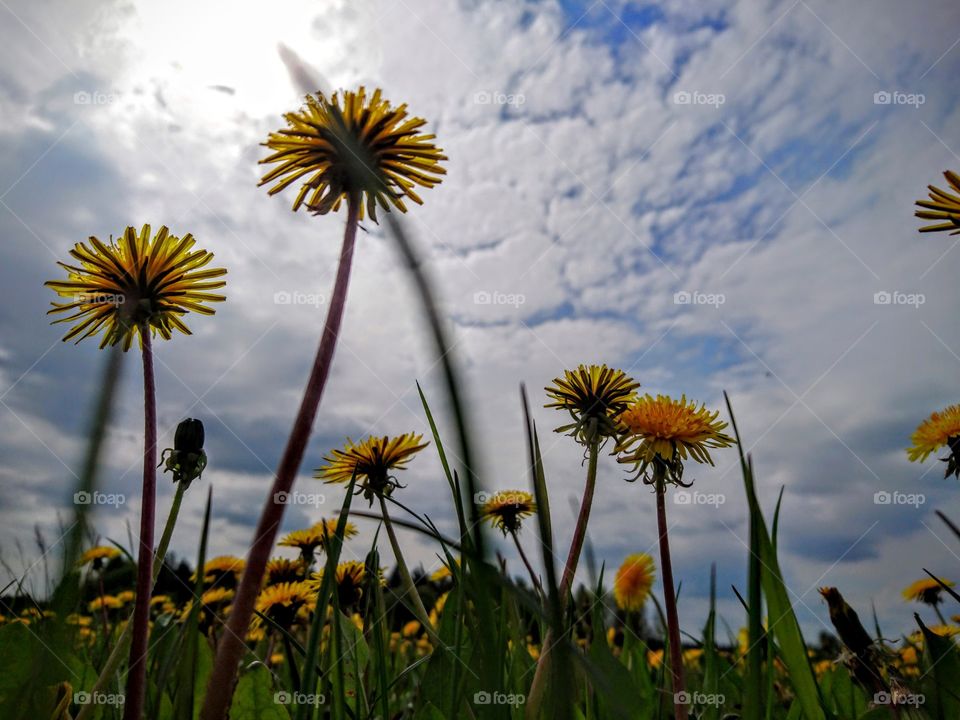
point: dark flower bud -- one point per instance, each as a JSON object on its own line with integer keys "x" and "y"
{"x": 189, "y": 436}
{"x": 186, "y": 459}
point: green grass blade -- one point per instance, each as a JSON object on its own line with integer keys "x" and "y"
{"x": 783, "y": 621}
{"x": 333, "y": 547}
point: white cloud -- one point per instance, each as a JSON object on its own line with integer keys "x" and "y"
{"x": 596, "y": 199}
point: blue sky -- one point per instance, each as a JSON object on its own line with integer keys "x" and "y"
{"x": 607, "y": 160}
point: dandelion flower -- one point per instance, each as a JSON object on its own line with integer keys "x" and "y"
{"x": 108, "y": 602}
{"x": 594, "y": 396}
{"x": 941, "y": 429}
{"x": 927, "y": 591}
{"x": 222, "y": 571}
{"x": 138, "y": 282}
{"x": 373, "y": 460}
{"x": 350, "y": 577}
{"x": 667, "y": 430}
{"x": 942, "y": 207}
{"x": 309, "y": 539}
{"x": 443, "y": 572}
{"x": 281, "y": 602}
{"x": 508, "y": 508}
{"x": 98, "y": 555}
{"x": 352, "y": 146}
{"x": 633, "y": 582}
{"x": 281, "y": 570}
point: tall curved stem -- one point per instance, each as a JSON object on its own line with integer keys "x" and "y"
{"x": 137, "y": 677}
{"x": 123, "y": 642}
{"x": 231, "y": 646}
{"x": 670, "y": 601}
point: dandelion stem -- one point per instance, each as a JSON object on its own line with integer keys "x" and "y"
{"x": 231, "y": 647}
{"x": 670, "y": 599}
{"x": 409, "y": 588}
{"x": 580, "y": 533}
{"x": 123, "y": 642}
{"x": 526, "y": 562}
{"x": 566, "y": 583}
{"x": 137, "y": 672}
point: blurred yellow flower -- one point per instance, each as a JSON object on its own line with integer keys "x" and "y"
{"x": 97, "y": 555}
{"x": 506, "y": 509}
{"x": 309, "y": 539}
{"x": 927, "y": 591}
{"x": 281, "y": 602}
{"x": 633, "y": 582}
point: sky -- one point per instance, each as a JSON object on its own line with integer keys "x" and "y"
{"x": 712, "y": 196}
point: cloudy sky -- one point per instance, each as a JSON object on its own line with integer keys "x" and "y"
{"x": 709, "y": 195}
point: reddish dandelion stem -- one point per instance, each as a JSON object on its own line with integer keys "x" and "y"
{"x": 231, "y": 646}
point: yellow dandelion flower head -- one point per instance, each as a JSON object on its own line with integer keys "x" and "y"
{"x": 353, "y": 147}
{"x": 308, "y": 539}
{"x": 280, "y": 570}
{"x": 108, "y": 602}
{"x": 633, "y": 582}
{"x": 222, "y": 570}
{"x": 281, "y": 602}
{"x": 217, "y": 597}
{"x": 126, "y": 596}
{"x": 908, "y": 655}
{"x": 443, "y": 572}
{"x": 594, "y": 395}
{"x": 98, "y": 554}
{"x": 373, "y": 460}
{"x": 410, "y": 628}
{"x": 661, "y": 429}
{"x": 350, "y": 578}
{"x": 506, "y": 509}
{"x": 942, "y": 207}
{"x": 138, "y": 282}
{"x": 927, "y": 591}
{"x": 941, "y": 429}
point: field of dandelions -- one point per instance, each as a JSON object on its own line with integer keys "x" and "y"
{"x": 121, "y": 632}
